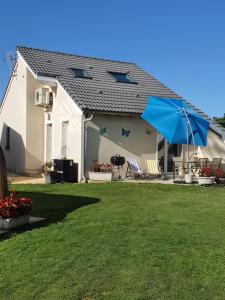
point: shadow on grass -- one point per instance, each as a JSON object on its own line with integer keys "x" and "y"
{"x": 54, "y": 208}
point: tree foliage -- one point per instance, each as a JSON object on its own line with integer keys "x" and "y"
{"x": 220, "y": 120}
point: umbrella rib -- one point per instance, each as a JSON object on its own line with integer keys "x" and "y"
{"x": 189, "y": 124}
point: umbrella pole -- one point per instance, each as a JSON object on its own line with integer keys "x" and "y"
{"x": 187, "y": 149}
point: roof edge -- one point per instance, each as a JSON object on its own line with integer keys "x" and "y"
{"x": 18, "y": 47}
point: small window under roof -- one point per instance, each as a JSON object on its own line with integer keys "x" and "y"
{"x": 81, "y": 73}
{"x": 122, "y": 77}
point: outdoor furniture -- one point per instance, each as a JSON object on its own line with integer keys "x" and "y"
{"x": 216, "y": 163}
{"x": 153, "y": 167}
{"x": 118, "y": 161}
{"x": 180, "y": 168}
{"x": 203, "y": 162}
{"x": 134, "y": 169}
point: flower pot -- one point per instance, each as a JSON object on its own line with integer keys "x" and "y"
{"x": 100, "y": 176}
{"x": 47, "y": 177}
{"x": 206, "y": 180}
{"x": 188, "y": 178}
{"x": 14, "y": 222}
{"x": 221, "y": 180}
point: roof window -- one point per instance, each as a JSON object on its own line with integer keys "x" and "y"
{"x": 80, "y": 73}
{"x": 122, "y": 77}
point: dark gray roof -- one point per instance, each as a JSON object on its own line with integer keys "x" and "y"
{"x": 102, "y": 93}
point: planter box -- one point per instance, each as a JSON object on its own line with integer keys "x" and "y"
{"x": 14, "y": 222}
{"x": 100, "y": 176}
{"x": 206, "y": 180}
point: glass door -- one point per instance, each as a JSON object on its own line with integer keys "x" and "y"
{"x": 166, "y": 153}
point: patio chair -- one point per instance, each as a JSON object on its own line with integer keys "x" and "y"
{"x": 134, "y": 169}
{"x": 216, "y": 163}
{"x": 203, "y": 162}
{"x": 153, "y": 167}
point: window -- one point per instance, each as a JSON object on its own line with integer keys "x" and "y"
{"x": 7, "y": 138}
{"x": 80, "y": 73}
{"x": 122, "y": 77}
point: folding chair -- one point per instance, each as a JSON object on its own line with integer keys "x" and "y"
{"x": 153, "y": 167}
{"x": 134, "y": 169}
{"x": 203, "y": 162}
{"x": 216, "y": 163}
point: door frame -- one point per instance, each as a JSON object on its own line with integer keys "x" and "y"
{"x": 46, "y": 142}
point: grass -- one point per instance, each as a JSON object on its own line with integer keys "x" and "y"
{"x": 118, "y": 241}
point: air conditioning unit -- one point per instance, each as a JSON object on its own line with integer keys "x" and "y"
{"x": 43, "y": 97}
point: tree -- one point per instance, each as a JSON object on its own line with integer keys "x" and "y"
{"x": 220, "y": 120}
{"x": 3, "y": 176}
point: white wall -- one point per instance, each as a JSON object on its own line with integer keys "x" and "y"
{"x": 34, "y": 128}
{"x": 28, "y": 122}
{"x": 215, "y": 148}
{"x": 13, "y": 114}
{"x": 64, "y": 109}
{"x": 137, "y": 144}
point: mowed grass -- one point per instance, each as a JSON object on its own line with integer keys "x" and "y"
{"x": 118, "y": 241}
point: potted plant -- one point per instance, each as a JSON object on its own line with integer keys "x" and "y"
{"x": 189, "y": 178}
{"x": 206, "y": 176}
{"x": 220, "y": 175}
{"x": 100, "y": 171}
{"x": 14, "y": 211}
{"x": 46, "y": 170}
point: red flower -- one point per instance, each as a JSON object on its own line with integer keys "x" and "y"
{"x": 206, "y": 172}
{"x": 219, "y": 173}
{"x": 13, "y": 206}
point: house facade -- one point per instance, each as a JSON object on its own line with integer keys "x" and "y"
{"x": 61, "y": 105}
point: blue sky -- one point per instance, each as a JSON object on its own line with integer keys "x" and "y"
{"x": 182, "y": 43}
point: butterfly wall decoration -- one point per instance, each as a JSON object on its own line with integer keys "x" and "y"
{"x": 125, "y": 132}
{"x": 102, "y": 130}
{"x": 148, "y": 131}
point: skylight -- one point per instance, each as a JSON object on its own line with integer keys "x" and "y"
{"x": 122, "y": 77}
{"x": 80, "y": 73}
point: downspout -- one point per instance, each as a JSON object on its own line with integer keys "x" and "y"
{"x": 84, "y": 145}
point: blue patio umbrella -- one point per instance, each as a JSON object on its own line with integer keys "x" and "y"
{"x": 176, "y": 121}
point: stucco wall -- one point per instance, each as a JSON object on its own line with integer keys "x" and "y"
{"x": 64, "y": 109}
{"x": 137, "y": 144}
{"x": 215, "y": 148}
{"x": 13, "y": 114}
{"x": 34, "y": 127}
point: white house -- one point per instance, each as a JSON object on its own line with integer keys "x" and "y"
{"x": 62, "y": 105}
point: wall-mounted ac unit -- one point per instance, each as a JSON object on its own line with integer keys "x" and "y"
{"x": 43, "y": 97}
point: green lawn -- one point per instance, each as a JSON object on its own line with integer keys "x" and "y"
{"x": 118, "y": 241}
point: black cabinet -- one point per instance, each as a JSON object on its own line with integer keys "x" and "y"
{"x": 68, "y": 168}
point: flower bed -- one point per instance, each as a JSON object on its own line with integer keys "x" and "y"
{"x": 14, "y": 211}
{"x": 100, "y": 176}
{"x": 100, "y": 171}
{"x": 208, "y": 175}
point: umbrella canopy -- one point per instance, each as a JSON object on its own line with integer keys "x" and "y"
{"x": 176, "y": 121}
